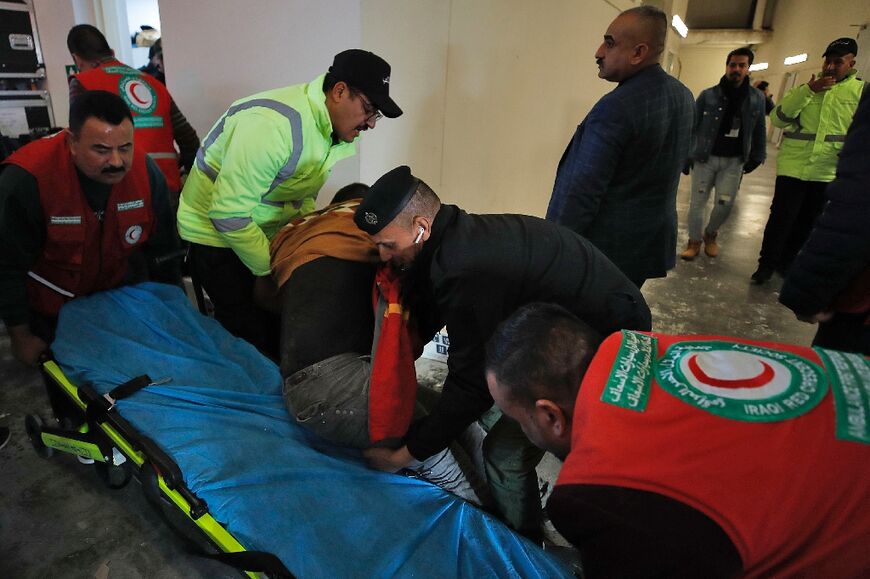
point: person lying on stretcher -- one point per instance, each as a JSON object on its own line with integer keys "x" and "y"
{"x": 347, "y": 378}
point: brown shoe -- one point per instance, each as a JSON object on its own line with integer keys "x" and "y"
{"x": 692, "y": 250}
{"x": 711, "y": 248}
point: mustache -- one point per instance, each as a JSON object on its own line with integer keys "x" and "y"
{"x": 110, "y": 170}
{"x": 598, "y": 61}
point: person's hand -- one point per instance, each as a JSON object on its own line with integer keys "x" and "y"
{"x": 266, "y": 293}
{"x": 388, "y": 459}
{"x": 815, "y": 318}
{"x": 26, "y": 347}
{"x": 821, "y": 84}
{"x": 750, "y": 166}
{"x": 687, "y": 167}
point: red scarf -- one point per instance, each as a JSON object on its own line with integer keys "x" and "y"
{"x": 394, "y": 379}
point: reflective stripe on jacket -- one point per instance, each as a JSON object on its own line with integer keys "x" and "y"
{"x": 261, "y": 164}
{"x": 149, "y": 101}
{"x": 815, "y": 126}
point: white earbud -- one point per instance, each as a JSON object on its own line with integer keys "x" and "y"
{"x": 419, "y": 236}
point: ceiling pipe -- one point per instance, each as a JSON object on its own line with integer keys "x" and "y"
{"x": 758, "y": 17}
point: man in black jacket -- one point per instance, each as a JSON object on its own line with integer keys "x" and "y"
{"x": 469, "y": 272}
{"x": 829, "y": 281}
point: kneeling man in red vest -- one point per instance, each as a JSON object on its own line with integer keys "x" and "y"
{"x": 80, "y": 212}
{"x": 693, "y": 456}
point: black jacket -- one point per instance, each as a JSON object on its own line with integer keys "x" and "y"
{"x": 836, "y": 256}
{"x": 476, "y": 270}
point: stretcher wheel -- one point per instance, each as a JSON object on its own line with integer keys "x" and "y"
{"x": 114, "y": 476}
{"x": 33, "y": 424}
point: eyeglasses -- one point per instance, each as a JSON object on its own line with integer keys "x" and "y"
{"x": 372, "y": 113}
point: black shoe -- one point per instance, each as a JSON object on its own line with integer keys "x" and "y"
{"x": 762, "y": 274}
{"x": 4, "y": 436}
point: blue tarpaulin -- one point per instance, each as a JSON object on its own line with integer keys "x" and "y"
{"x": 274, "y": 486}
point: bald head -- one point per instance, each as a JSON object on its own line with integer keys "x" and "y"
{"x": 648, "y": 25}
{"x": 633, "y": 41}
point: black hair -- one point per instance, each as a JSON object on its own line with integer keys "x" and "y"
{"x": 424, "y": 201}
{"x": 329, "y": 81}
{"x": 351, "y": 191}
{"x": 762, "y": 84}
{"x": 541, "y": 351}
{"x": 100, "y": 104}
{"x": 87, "y": 42}
{"x": 742, "y": 51}
{"x": 156, "y": 48}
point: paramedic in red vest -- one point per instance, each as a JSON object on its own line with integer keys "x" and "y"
{"x": 693, "y": 456}
{"x": 156, "y": 117}
{"x": 80, "y": 212}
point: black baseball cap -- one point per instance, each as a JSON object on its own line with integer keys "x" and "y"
{"x": 842, "y": 46}
{"x": 385, "y": 199}
{"x": 368, "y": 72}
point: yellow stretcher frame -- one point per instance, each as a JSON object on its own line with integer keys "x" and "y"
{"x": 212, "y": 529}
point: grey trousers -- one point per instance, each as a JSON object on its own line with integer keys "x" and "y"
{"x": 331, "y": 399}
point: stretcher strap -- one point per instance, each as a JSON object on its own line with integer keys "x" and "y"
{"x": 199, "y": 544}
{"x": 130, "y": 387}
{"x": 259, "y": 561}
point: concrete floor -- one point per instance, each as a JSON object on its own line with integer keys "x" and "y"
{"x": 58, "y": 520}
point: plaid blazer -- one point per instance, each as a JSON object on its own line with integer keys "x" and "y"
{"x": 617, "y": 181}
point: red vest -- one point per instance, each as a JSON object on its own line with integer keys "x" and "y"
{"x": 81, "y": 255}
{"x": 149, "y": 101}
{"x": 757, "y": 436}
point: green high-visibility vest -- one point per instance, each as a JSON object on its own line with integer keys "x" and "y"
{"x": 260, "y": 166}
{"x": 815, "y": 126}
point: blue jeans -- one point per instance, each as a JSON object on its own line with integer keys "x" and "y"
{"x": 723, "y": 173}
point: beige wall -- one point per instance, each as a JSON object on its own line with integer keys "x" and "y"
{"x": 703, "y": 66}
{"x": 219, "y": 51}
{"x": 808, "y": 26}
{"x": 492, "y": 92}
{"x": 53, "y": 20}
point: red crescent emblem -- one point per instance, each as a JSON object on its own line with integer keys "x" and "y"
{"x": 134, "y": 96}
{"x": 763, "y": 378}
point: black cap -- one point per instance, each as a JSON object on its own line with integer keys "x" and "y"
{"x": 386, "y": 199}
{"x": 369, "y": 73}
{"x": 842, "y": 46}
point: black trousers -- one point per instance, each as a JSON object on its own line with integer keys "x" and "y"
{"x": 230, "y": 286}
{"x": 844, "y": 332}
{"x": 796, "y": 205}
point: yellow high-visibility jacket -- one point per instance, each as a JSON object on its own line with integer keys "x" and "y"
{"x": 261, "y": 165}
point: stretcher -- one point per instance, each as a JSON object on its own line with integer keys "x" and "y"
{"x": 146, "y": 386}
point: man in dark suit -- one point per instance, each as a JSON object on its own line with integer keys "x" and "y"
{"x": 617, "y": 181}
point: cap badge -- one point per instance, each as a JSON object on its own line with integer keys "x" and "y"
{"x": 371, "y": 218}
{"x": 386, "y": 80}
